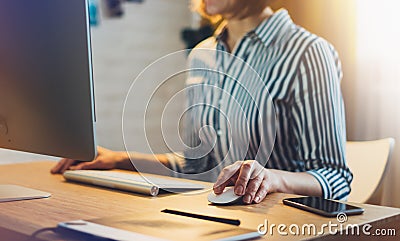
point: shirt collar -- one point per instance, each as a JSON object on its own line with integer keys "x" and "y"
{"x": 267, "y": 31}
{"x": 273, "y": 27}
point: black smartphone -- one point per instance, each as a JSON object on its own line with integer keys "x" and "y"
{"x": 321, "y": 206}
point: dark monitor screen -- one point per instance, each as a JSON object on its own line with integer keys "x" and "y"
{"x": 46, "y": 89}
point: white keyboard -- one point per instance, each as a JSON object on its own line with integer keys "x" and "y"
{"x": 148, "y": 184}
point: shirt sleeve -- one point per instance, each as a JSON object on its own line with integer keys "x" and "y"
{"x": 192, "y": 160}
{"x": 176, "y": 161}
{"x": 319, "y": 120}
{"x": 195, "y": 158}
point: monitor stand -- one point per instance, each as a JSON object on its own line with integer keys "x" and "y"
{"x": 10, "y": 193}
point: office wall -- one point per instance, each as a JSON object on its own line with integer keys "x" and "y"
{"x": 365, "y": 35}
{"x": 122, "y": 48}
{"x": 378, "y": 82}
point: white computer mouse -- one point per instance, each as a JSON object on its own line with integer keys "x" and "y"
{"x": 225, "y": 198}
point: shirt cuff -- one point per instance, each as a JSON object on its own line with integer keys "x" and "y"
{"x": 176, "y": 161}
{"x": 319, "y": 174}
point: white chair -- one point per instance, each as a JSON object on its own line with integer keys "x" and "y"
{"x": 368, "y": 160}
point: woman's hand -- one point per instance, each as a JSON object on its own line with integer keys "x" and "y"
{"x": 106, "y": 159}
{"x": 250, "y": 179}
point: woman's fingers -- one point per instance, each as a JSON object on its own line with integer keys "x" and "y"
{"x": 252, "y": 187}
{"x": 245, "y": 174}
{"x": 225, "y": 177}
{"x": 67, "y": 164}
{"x": 58, "y": 166}
{"x": 262, "y": 191}
{"x": 62, "y": 165}
{"x": 219, "y": 189}
{"x": 85, "y": 166}
{"x": 231, "y": 181}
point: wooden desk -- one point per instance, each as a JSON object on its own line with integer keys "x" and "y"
{"x": 71, "y": 201}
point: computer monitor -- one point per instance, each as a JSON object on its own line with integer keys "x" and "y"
{"x": 46, "y": 88}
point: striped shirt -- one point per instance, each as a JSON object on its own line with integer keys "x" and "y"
{"x": 275, "y": 99}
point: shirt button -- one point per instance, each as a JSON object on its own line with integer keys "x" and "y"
{"x": 219, "y": 132}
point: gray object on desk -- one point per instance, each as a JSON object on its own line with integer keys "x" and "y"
{"x": 10, "y": 193}
{"x": 46, "y": 89}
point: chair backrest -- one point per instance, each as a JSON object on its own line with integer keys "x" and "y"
{"x": 368, "y": 161}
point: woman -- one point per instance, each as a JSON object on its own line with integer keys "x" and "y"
{"x": 301, "y": 74}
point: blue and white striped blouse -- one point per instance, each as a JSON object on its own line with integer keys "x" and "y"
{"x": 275, "y": 99}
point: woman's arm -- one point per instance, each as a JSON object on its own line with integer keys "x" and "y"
{"x": 319, "y": 125}
{"x": 254, "y": 182}
{"x": 301, "y": 183}
{"x": 108, "y": 159}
